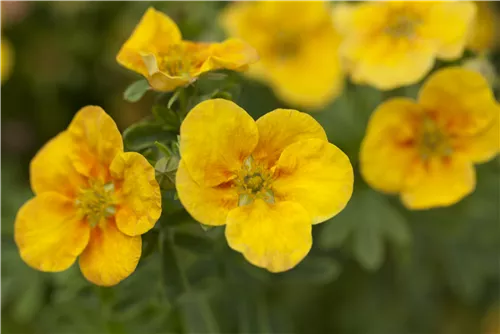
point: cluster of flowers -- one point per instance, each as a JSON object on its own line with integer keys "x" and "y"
{"x": 268, "y": 181}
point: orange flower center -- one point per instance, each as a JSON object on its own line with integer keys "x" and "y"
{"x": 254, "y": 181}
{"x": 96, "y": 202}
{"x": 433, "y": 141}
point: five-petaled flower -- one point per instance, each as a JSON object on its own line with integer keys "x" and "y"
{"x": 298, "y": 48}
{"x": 268, "y": 181}
{"x": 156, "y": 50}
{"x": 425, "y": 150}
{"x": 392, "y": 44}
{"x": 92, "y": 200}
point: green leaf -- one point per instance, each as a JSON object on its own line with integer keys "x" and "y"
{"x": 167, "y": 116}
{"x": 193, "y": 243}
{"x": 174, "y": 281}
{"x": 317, "y": 270}
{"x": 165, "y": 169}
{"x": 197, "y": 314}
{"x": 136, "y": 90}
{"x": 143, "y": 135}
{"x": 367, "y": 221}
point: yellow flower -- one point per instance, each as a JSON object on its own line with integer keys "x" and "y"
{"x": 7, "y": 59}
{"x": 484, "y": 35}
{"x": 156, "y": 50}
{"x": 297, "y": 45}
{"x": 392, "y": 44}
{"x": 426, "y": 150}
{"x": 91, "y": 200}
{"x": 268, "y": 181}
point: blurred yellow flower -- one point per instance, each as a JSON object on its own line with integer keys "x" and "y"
{"x": 92, "y": 200}
{"x": 484, "y": 35}
{"x": 426, "y": 150}
{"x": 268, "y": 181}
{"x": 156, "y": 50}
{"x": 297, "y": 45}
{"x": 7, "y": 59}
{"x": 392, "y": 44}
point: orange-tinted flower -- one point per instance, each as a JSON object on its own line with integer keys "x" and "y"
{"x": 426, "y": 150}
{"x": 156, "y": 50}
{"x": 91, "y": 200}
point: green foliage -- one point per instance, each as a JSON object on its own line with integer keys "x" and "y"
{"x": 375, "y": 268}
{"x": 136, "y": 91}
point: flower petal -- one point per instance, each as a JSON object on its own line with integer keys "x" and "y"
{"x": 482, "y": 146}
{"x": 52, "y": 169}
{"x": 216, "y": 137}
{"x": 387, "y": 151}
{"x": 315, "y": 174}
{"x": 461, "y": 99}
{"x": 97, "y": 141}
{"x": 232, "y": 54}
{"x": 485, "y": 30}
{"x": 48, "y": 233}
{"x": 155, "y": 32}
{"x": 449, "y": 23}
{"x": 110, "y": 256}
{"x": 386, "y": 63}
{"x": 438, "y": 182}
{"x": 272, "y": 236}
{"x": 139, "y": 194}
{"x": 7, "y": 59}
{"x": 208, "y": 205}
{"x": 281, "y": 128}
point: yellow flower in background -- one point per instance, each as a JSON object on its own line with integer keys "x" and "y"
{"x": 392, "y": 44}
{"x": 484, "y": 35}
{"x": 156, "y": 50}
{"x": 91, "y": 200}
{"x": 268, "y": 181}
{"x": 426, "y": 150}
{"x": 7, "y": 56}
{"x": 298, "y": 48}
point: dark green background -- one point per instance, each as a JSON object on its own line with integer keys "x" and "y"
{"x": 376, "y": 268}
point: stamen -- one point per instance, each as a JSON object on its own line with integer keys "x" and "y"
{"x": 254, "y": 181}
{"x": 96, "y": 202}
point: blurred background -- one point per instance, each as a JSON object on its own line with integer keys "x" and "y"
{"x": 375, "y": 269}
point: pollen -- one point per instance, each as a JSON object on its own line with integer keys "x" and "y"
{"x": 254, "y": 181}
{"x": 433, "y": 141}
{"x": 96, "y": 202}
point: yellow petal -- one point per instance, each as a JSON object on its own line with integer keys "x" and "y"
{"x": 484, "y": 35}
{"x": 232, "y": 54}
{"x": 482, "y": 146}
{"x": 216, "y": 137}
{"x": 7, "y": 59}
{"x": 48, "y": 233}
{"x": 281, "y": 128}
{"x": 96, "y": 140}
{"x": 308, "y": 78}
{"x": 160, "y": 80}
{"x": 154, "y": 33}
{"x": 315, "y": 174}
{"x": 271, "y": 236}
{"x": 461, "y": 99}
{"x": 52, "y": 169}
{"x": 110, "y": 256}
{"x": 208, "y": 205}
{"x": 139, "y": 205}
{"x": 449, "y": 23}
{"x": 386, "y": 63}
{"x": 438, "y": 182}
{"x": 388, "y": 150}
